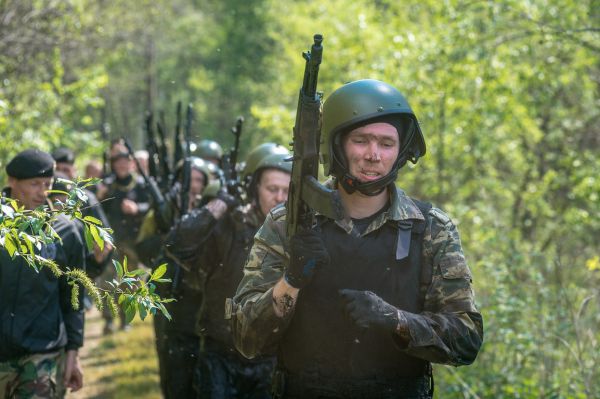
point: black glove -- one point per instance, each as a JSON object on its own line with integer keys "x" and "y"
{"x": 307, "y": 253}
{"x": 367, "y": 310}
{"x": 228, "y": 199}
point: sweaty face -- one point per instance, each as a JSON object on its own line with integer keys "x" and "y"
{"x": 272, "y": 189}
{"x": 371, "y": 151}
{"x": 30, "y": 193}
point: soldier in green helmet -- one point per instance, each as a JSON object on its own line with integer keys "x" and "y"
{"x": 177, "y": 341}
{"x": 360, "y": 307}
{"x": 215, "y": 241}
{"x": 210, "y": 151}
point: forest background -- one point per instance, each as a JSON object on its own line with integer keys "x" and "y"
{"x": 507, "y": 93}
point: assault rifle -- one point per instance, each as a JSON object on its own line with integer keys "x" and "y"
{"x": 158, "y": 200}
{"x": 186, "y": 172}
{"x": 178, "y": 145}
{"x": 306, "y": 194}
{"x": 104, "y": 132}
{"x": 163, "y": 154}
{"x": 229, "y": 162}
{"x": 151, "y": 147}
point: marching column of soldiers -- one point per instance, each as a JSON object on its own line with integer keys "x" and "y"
{"x": 284, "y": 286}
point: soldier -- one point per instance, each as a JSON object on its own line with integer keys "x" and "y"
{"x": 125, "y": 201}
{"x": 177, "y": 341}
{"x": 216, "y": 240}
{"x": 97, "y": 260}
{"x": 38, "y": 325}
{"x": 360, "y": 307}
{"x": 210, "y": 151}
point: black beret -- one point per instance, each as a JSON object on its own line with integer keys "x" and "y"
{"x": 31, "y": 163}
{"x": 63, "y": 154}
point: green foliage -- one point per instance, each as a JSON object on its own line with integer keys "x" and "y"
{"x": 24, "y": 232}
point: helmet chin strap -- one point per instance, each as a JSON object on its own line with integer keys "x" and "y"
{"x": 372, "y": 188}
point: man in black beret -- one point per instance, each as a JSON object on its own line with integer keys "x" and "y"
{"x": 40, "y": 332}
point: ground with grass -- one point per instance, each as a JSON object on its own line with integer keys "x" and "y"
{"x": 120, "y": 365}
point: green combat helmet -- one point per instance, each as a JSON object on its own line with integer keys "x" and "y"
{"x": 264, "y": 156}
{"x": 198, "y": 164}
{"x": 359, "y": 103}
{"x": 209, "y": 150}
{"x": 256, "y": 155}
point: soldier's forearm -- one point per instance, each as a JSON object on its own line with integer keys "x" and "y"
{"x": 446, "y": 338}
{"x": 284, "y": 298}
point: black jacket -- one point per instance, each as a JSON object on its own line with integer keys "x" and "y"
{"x": 36, "y": 315}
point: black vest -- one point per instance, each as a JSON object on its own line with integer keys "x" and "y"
{"x": 322, "y": 341}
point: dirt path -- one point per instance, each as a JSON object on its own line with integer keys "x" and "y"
{"x": 120, "y": 365}
{"x": 93, "y": 336}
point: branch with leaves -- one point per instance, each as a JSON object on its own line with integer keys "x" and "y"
{"x": 23, "y": 233}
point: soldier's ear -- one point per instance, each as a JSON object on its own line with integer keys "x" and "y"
{"x": 11, "y": 181}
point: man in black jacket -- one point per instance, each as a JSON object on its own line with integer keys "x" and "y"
{"x": 214, "y": 242}
{"x": 39, "y": 328}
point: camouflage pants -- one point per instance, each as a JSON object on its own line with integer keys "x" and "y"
{"x": 32, "y": 377}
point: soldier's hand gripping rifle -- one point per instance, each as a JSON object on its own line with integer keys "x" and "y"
{"x": 306, "y": 194}
{"x": 159, "y": 204}
{"x": 229, "y": 162}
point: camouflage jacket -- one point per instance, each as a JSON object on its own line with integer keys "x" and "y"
{"x": 448, "y": 331}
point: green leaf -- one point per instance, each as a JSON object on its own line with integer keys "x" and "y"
{"x": 159, "y": 272}
{"x": 10, "y": 246}
{"x": 118, "y": 268}
{"x": 89, "y": 240}
{"x": 125, "y": 265}
{"x": 57, "y": 192}
{"x": 97, "y": 239}
{"x": 93, "y": 220}
{"x": 130, "y": 310}
{"x": 164, "y": 311}
{"x": 142, "y": 310}
{"x": 7, "y": 210}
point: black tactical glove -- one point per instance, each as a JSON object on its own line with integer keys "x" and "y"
{"x": 307, "y": 253}
{"x": 228, "y": 199}
{"x": 367, "y": 310}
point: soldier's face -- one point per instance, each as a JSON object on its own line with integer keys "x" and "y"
{"x": 371, "y": 151}
{"x": 121, "y": 166}
{"x": 197, "y": 183}
{"x": 30, "y": 193}
{"x": 67, "y": 169}
{"x": 272, "y": 189}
